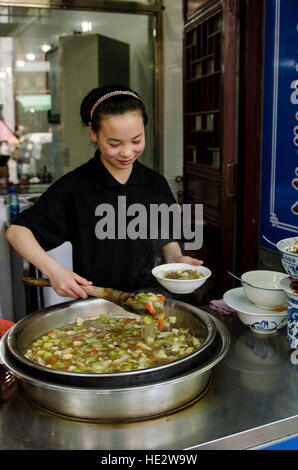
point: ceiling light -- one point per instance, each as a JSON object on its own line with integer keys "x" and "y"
{"x": 2, "y": 74}
{"x": 20, "y": 63}
{"x": 46, "y": 47}
{"x": 30, "y": 57}
{"x": 86, "y": 26}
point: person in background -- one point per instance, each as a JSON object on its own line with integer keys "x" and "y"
{"x": 8, "y": 143}
{"x": 69, "y": 210}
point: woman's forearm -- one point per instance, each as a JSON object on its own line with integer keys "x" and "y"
{"x": 24, "y": 242}
{"x": 64, "y": 281}
{"x": 171, "y": 252}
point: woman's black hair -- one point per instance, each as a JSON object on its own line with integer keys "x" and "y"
{"x": 118, "y": 104}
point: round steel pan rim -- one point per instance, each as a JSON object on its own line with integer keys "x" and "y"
{"x": 65, "y": 376}
{"x": 123, "y": 404}
{"x": 17, "y": 371}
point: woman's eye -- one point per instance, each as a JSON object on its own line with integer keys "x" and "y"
{"x": 114, "y": 145}
{"x": 138, "y": 142}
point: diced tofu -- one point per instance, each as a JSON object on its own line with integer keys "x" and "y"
{"x": 149, "y": 340}
{"x": 79, "y": 321}
{"x": 67, "y": 356}
{"x": 196, "y": 341}
{"x": 144, "y": 346}
{"x": 161, "y": 355}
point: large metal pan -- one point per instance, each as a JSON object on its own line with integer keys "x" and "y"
{"x": 123, "y": 403}
{"x": 33, "y": 326}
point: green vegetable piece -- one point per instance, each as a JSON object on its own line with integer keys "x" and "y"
{"x": 147, "y": 319}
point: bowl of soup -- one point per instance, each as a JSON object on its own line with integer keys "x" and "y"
{"x": 181, "y": 278}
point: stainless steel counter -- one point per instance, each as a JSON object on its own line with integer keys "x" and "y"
{"x": 252, "y": 400}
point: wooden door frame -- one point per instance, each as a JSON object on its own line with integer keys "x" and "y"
{"x": 250, "y": 132}
{"x": 229, "y": 126}
{"x": 226, "y": 175}
{"x": 242, "y": 129}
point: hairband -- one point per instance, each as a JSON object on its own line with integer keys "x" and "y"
{"x": 108, "y": 95}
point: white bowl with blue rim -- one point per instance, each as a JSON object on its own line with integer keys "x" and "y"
{"x": 262, "y": 287}
{"x": 288, "y": 250}
{"x": 259, "y": 320}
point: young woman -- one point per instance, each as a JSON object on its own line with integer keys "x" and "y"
{"x": 88, "y": 206}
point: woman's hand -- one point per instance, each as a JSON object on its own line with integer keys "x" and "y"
{"x": 188, "y": 260}
{"x": 172, "y": 254}
{"x": 66, "y": 283}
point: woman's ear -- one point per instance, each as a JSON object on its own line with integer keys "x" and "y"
{"x": 92, "y": 133}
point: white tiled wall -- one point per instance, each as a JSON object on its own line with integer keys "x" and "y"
{"x": 173, "y": 91}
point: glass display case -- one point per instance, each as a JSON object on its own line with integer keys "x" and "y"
{"x": 36, "y": 80}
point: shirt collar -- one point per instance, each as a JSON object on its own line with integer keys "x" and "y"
{"x": 103, "y": 179}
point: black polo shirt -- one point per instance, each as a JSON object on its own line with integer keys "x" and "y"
{"x": 67, "y": 212}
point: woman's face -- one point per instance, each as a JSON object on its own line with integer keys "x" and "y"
{"x": 120, "y": 139}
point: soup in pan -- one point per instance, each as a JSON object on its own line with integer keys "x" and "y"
{"x": 107, "y": 345}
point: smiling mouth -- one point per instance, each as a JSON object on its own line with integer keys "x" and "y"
{"x": 126, "y": 162}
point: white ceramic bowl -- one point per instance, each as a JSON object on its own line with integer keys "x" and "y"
{"x": 178, "y": 286}
{"x": 262, "y": 288}
{"x": 286, "y": 247}
{"x": 257, "y": 319}
{"x": 265, "y": 323}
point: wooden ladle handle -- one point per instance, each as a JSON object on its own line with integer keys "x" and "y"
{"x": 38, "y": 282}
{"x": 94, "y": 291}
